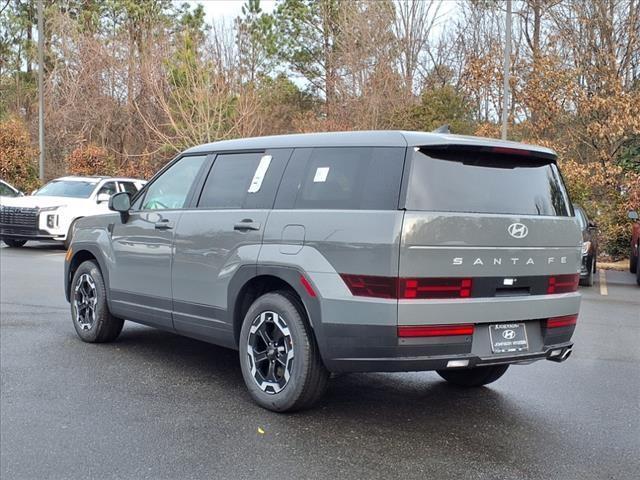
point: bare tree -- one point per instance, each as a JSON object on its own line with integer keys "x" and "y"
{"x": 414, "y": 21}
{"x": 207, "y": 102}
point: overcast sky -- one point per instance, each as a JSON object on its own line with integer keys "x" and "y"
{"x": 230, "y": 9}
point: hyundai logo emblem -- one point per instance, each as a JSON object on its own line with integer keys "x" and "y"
{"x": 509, "y": 334}
{"x": 518, "y": 230}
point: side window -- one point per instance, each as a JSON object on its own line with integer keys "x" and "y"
{"x": 108, "y": 188}
{"x": 244, "y": 180}
{"x": 352, "y": 178}
{"x": 170, "y": 189}
{"x": 128, "y": 187}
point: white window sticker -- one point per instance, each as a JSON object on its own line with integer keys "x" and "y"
{"x": 321, "y": 174}
{"x": 261, "y": 171}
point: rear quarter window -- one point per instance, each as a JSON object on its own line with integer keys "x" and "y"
{"x": 485, "y": 182}
{"x": 349, "y": 178}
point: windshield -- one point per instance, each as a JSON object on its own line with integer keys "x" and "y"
{"x": 7, "y": 191}
{"x": 67, "y": 188}
{"x": 482, "y": 182}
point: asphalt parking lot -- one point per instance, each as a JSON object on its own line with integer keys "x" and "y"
{"x": 159, "y": 406}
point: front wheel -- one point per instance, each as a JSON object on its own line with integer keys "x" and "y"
{"x": 633, "y": 261}
{"x": 89, "y": 310}
{"x": 474, "y": 377}
{"x": 279, "y": 357}
{"x": 14, "y": 243}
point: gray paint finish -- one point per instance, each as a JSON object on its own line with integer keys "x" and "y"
{"x": 351, "y": 241}
{"x": 187, "y": 277}
{"x": 142, "y": 256}
{"x": 477, "y": 245}
{"x": 208, "y": 253}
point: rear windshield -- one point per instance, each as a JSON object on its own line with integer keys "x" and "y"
{"x": 482, "y": 182}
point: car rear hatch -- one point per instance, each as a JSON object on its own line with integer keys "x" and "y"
{"x": 488, "y": 236}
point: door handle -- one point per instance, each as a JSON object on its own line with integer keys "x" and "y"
{"x": 246, "y": 224}
{"x": 164, "y": 224}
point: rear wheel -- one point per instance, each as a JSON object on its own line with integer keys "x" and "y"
{"x": 474, "y": 377}
{"x": 89, "y": 310}
{"x": 279, "y": 357}
{"x": 633, "y": 261}
{"x": 589, "y": 279}
{"x": 638, "y": 276}
{"x": 14, "y": 243}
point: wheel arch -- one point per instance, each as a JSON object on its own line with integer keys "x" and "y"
{"x": 80, "y": 255}
{"x": 250, "y": 282}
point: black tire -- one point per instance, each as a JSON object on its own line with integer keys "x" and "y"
{"x": 589, "y": 279}
{"x": 99, "y": 326}
{"x": 474, "y": 377}
{"x": 67, "y": 241}
{"x": 633, "y": 262}
{"x": 14, "y": 243}
{"x": 638, "y": 276}
{"x": 307, "y": 375}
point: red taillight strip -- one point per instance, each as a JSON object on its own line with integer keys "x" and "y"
{"x": 564, "y": 321}
{"x": 371, "y": 285}
{"x": 563, "y": 283}
{"x": 407, "y": 288}
{"x": 435, "y": 330}
{"x": 423, "y": 288}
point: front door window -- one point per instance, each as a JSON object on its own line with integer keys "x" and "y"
{"x": 170, "y": 190}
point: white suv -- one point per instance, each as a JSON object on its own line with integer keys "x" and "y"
{"x": 50, "y": 212}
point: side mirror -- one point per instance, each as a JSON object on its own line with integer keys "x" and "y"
{"x": 120, "y": 202}
{"x": 103, "y": 197}
{"x": 592, "y": 224}
{"x": 633, "y": 215}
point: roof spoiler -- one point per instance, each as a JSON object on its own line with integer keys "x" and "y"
{"x": 488, "y": 149}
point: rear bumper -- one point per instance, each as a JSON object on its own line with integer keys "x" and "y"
{"x": 375, "y": 348}
{"x": 556, "y": 353}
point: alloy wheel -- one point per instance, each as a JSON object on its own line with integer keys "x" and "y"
{"x": 85, "y": 299}
{"x": 270, "y": 352}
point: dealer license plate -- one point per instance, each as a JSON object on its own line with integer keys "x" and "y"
{"x": 508, "y": 337}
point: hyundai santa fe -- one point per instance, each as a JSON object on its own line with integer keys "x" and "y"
{"x": 341, "y": 252}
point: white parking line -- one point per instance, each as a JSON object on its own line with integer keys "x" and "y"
{"x": 603, "y": 283}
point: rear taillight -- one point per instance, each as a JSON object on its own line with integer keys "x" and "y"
{"x": 435, "y": 330}
{"x": 564, "y": 321}
{"x": 407, "y": 288}
{"x": 563, "y": 283}
{"x": 371, "y": 286}
{"x": 434, "y": 288}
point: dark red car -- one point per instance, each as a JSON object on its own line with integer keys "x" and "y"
{"x": 635, "y": 245}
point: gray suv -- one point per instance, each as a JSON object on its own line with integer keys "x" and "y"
{"x": 341, "y": 252}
